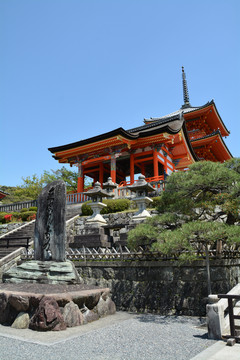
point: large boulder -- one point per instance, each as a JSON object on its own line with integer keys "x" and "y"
{"x": 47, "y": 316}
{"x": 72, "y": 316}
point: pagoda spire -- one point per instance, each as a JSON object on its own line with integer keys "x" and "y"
{"x": 185, "y": 90}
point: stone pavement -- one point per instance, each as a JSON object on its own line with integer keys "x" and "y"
{"x": 220, "y": 351}
{"x": 122, "y": 336}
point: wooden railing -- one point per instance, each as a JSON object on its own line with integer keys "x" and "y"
{"x": 145, "y": 254}
{"x": 17, "y": 206}
{"x": 76, "y": 198}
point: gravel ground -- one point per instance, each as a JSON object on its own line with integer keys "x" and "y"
{"x": 137, "y": 337}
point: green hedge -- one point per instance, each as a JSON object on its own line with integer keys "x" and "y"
{"x": 2, "y": 214}
{"x": 26, "y": 216}
{"x": 33, "y": 208}
{"x": 113, "y": 206}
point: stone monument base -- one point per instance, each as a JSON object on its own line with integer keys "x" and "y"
{"x": 43, "y": 272}
{"x": 45, "y": 307}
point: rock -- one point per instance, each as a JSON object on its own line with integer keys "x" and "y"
{"x": 89, "y": 316}
{"x": 72, "y": 316}
{"x": 111, "y": 306}
{"x": 102, "y": 307}
{"x": 21, "y": 321}
{"x": 47, "y": 316}
{"x": 4, "y": 308}
{"x": 20, "y": 303}
{"x": 105, "y": 294}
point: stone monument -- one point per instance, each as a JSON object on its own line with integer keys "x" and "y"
{"x": 49, "y": 239}
{"x": 50, "y": 265}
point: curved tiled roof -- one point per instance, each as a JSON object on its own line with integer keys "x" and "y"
{"x": 182, "y": 110}
{"x": 171, "y": 126}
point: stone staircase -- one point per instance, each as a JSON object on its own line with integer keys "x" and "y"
{"x": 27, "y": 230}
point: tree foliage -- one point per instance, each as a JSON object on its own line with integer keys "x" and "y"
{"x": 207, "y": 188}
{"x": 192, "y": 209}
{"x": 33, "y": 185}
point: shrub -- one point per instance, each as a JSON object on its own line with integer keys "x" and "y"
{"x": 24, "y": 210}
{"x": 27, "y": 215}
{"x": 16, "y": 216}
{"x": 8, "y": 218}
{"x": 86, "y": 209}
{"x": 113, "y": 206}
{"x": 33, "y": 208}
{"x": 2, "y": 217}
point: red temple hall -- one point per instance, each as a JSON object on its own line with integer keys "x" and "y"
{"x": 155, "y": 149}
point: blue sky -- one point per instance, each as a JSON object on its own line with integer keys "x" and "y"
{"x": 72, "y": 69}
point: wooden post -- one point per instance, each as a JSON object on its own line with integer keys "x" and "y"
{"x": 155, "y": 163}
{"x": 131, "y": 168}
{"x": 143, "y": 169}
{"x": 80, "y": 185}
{"x": 113, "y": 168}
{"x": 101, "y": 173}
{"x": 208, "y": 271}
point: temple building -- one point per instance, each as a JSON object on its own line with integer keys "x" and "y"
{"x": 155, "y": 149}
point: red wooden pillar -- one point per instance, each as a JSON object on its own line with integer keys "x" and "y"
{"x": 131, "y": 168}
{"x": 101, "y": 173}
{"x": 113, "y": 168}
{"x": 155, "y": 163}
{"x": 80, "y": 185}
{"x": 143, "y": 169}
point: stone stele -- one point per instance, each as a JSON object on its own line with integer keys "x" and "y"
{"x": 50, "y": 265}
{"x": 49, "y": 240}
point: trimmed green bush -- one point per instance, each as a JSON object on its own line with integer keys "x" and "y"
{"x": 113, "y": 206}
{"x": 2, "y": 214}
{"x": 16, "y": 216}
{"x": 27, "y": 215}
{"x": 24, "y": 210}
{"x": 86, "y": 209}
{"x": 33, "y": 208}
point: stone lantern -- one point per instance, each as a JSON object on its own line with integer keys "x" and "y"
{"x": 141, "y": 188}
{"x": 109, "y": 186}
{"x": 97, "y": 193}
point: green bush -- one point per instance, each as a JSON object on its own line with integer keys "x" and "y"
{"x": 2, "y": 214}
{"x": 86, "y": 209}
{"x": 16, "y": 216}
{"x": 24, "y": 210}
{"x": 33, "y": 208}
{"x": 113, "y": 206}
{"x": 27, "y": 215}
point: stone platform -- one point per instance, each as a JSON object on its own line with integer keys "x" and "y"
{"x": 45, "y": 307}
{"x": 43, "y": 272}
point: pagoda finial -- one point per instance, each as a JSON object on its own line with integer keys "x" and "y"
{"x": 185, "y": 90}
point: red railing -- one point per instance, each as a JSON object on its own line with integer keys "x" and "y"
{"x": 149, "y": 180}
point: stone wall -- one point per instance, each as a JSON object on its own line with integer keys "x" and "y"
{"x": 161, "y": 287}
